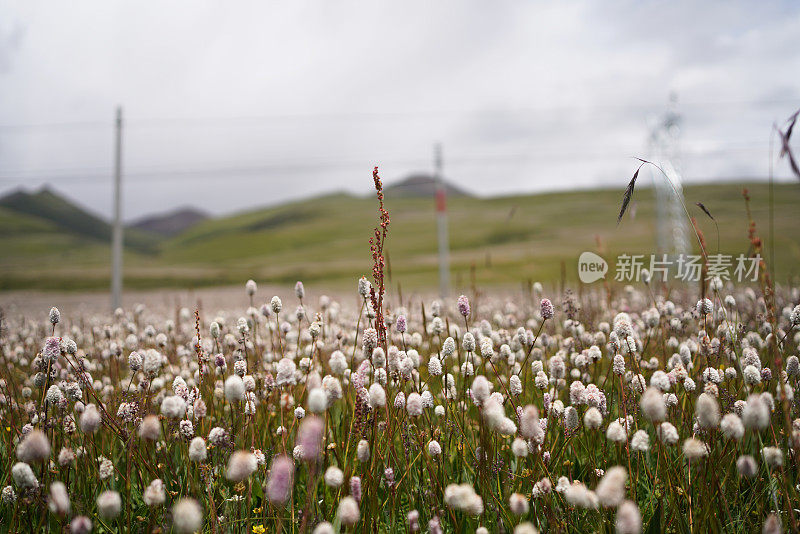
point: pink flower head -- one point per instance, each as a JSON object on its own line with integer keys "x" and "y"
{"x": 279, "y": 482}
{"x": 309, "y": 437}
{"x": 463, "y": 305}
{"x": 355, "y": 488}
{"x": 546, "y": 309}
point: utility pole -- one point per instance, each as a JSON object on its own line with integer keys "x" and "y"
{"x": 441, "y": 224}
{"x": 116, "y": 235}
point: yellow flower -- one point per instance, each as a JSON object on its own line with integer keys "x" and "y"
{"x": 259, "y": 529}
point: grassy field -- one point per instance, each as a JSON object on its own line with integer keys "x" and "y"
{"x": 592, "y": 412}
{"x": 324, "y": 240}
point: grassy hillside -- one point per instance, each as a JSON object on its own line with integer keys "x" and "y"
{"x": 75, "y": 223}
{"x": 325, "y": 240}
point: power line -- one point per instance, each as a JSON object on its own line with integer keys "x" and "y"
{"x": 468, "y": 158}
{"x": 239, "y": 172}
{"x": 384, "y": 115}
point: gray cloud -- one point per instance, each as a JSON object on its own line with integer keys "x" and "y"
{"x": 230, "y": 107}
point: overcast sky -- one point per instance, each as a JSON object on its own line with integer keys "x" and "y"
{"x": 233, "y": 105}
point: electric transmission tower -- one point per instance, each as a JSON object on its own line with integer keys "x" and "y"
{"x": 672, "y": 230}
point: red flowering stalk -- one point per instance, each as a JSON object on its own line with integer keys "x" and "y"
{"x": 199, "y": 347}
{"x": 376, "y": 247}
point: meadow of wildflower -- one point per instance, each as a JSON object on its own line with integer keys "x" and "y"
{"x": 641, "y": 408}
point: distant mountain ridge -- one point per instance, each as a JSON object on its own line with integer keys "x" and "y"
{"x": 46, "y": 204}
{"x": 170, "y": 223}
{"x": 422, "y": 185}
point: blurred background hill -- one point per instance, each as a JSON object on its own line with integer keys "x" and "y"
{"x": 170, "y": 223}
{"x": 50, "y": 243}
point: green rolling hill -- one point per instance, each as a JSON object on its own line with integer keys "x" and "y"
{"x": 46, "y": 206}
{"x": 324, "y": 241}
